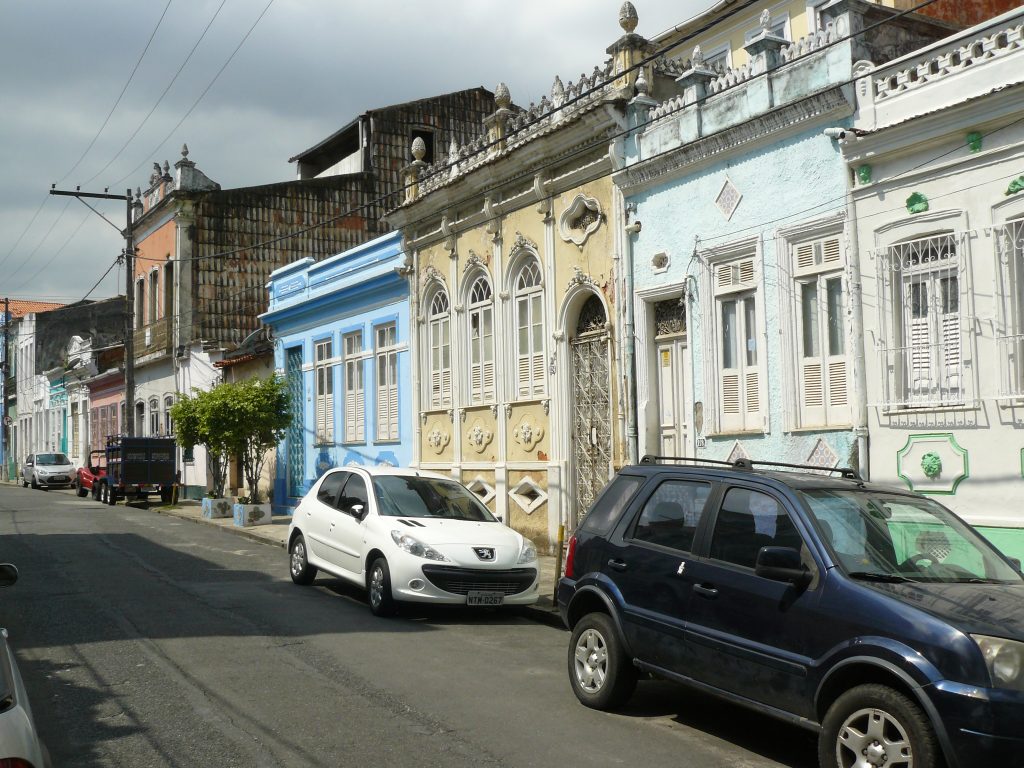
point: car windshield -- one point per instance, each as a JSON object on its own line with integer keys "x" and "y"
{"x": 889, "y": 537}
{"x": 44, "y": 459}
{"x": 399, "y": 496}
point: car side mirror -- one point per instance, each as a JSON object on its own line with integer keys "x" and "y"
{"x": 499, "y": 518}
{"x": 782, "y": 564}
{"x": 357, "y": 511}
{"x": 8, "y": 574}
{"x": 1015, "y": 562}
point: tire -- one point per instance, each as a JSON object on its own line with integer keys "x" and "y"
{"x": 378, "y": 589}
{"x": 24, "y": 482}
{"x": 35, "y": 485}
{"x": 111, "y": 494}
{"x": 856, "y": 722}
{"x": 298, "y": 565}
{"x": 81, "y": 490}
{"x": 601, "y": 674}
{"x": 165, "y": 496}
{"x": 101, "y": 494}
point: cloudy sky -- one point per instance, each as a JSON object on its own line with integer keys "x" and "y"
{"x": 84, "y": 107}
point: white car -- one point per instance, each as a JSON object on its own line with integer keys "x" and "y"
{"x": 47, "y": 470}
{"x": 407, "y": 535}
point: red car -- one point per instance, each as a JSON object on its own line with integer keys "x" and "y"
{"x": 87, "y": 476}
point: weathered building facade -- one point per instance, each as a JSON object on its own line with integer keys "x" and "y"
{"x": 206, "y": 253}
{"x": 514, "y": 242}
{"x": 936, "y": 162}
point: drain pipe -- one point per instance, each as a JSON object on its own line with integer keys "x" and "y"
{"x": 629, "y": 343}
{"x": 855, "y": 279}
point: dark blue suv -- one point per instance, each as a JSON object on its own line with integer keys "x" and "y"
{"x": 871, "y": 615}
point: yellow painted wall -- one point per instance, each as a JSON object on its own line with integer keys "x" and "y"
{"x": 535, "y": 524}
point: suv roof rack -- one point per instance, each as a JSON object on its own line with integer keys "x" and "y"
{"x": 750, "y": 465}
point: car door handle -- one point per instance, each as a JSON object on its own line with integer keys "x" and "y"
{"x": 705, "y": 591}
{"x": 617, "y": 565}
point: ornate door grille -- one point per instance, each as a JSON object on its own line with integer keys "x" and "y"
{"x": 591, "y": 414}
{"x": 296, "y": 445}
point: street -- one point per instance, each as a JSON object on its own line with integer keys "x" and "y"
{"x": 146, "y": 640}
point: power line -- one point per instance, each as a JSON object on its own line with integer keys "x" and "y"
{"x": 201, "y": 95}
{"x": 120, "y": 95}
{"x": 161, "y": 97}
{"x": 55, "y": 255}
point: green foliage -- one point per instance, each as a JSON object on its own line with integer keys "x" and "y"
{"x": 243, "y": 419}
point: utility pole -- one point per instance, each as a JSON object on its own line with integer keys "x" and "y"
{"x": 129, "y": 299}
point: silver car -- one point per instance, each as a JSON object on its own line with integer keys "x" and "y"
{"x": 19, "y": 741}
{"x": 47, "y": 470}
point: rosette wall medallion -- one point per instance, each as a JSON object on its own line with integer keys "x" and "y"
{"x": 479, "y": 437}
{"x": 932, "y": 463}
{"x": 580, "y": 220}
{"x": 438, "y": 438}
{"x": 528, "y": 434}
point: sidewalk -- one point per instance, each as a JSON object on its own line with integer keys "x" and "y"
{"x": 276, "y": 533}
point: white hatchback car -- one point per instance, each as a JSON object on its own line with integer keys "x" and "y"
{"x": 412, "y": 536}
{"x": 47, "y": 470}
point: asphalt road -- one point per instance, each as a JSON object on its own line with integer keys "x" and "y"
{"x": 146, "y": 640}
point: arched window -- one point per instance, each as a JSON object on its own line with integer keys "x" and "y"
{"x": 481, "y": 342}
{"x": 168, "y": 421}
{"x": 154, "y": 417}
{"x": 440, "y": 351}
{"x": 529, "y": 309}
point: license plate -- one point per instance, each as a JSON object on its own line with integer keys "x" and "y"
{"x": 484, "y": 598}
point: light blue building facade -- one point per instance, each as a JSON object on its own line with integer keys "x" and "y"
{"x": 747, "y": 341}
{"x": 342, "y": 330}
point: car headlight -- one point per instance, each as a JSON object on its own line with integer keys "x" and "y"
{"x": 43, "y": 472}
{"x": 1004, "y": 659}
{"x": 416, "y": 547}
{"x": 528, "y": 553}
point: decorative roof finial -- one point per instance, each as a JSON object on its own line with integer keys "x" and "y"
{"x": 641, "y": 83}
{"x": 419, "y": 148}
{"x": 766, "y": 20}
{"x": 557, "y": 91}
{"x": 167, "y": 167}
{"x": 453, "y": 151}
{"x": 502, "y": 98}
{"x": 697, "y": 60}
{"x": 628, "y": 18}
{"x": 184, "y": 150}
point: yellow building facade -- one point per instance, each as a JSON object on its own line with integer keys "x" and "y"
{"x": 513, "y": 248}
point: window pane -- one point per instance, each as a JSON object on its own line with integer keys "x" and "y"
{"x": 918, "y": 300}
{"x": 747, "y": 521}
{"x": 670, "y": 516}
{"x": 538, "y": 330}
{"x": 836, "y": 342}
{"x": 728, "y": 334}
{"x": 750, "y": 328}
{"x": 950, "y": 294}
{"x": 809, "y": 315}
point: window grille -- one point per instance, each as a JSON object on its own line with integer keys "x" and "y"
{"x": 1010, "y": 337}
{"x": 921, "y": 292}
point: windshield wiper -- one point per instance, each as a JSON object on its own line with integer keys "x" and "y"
{"x": 892, "y": 578}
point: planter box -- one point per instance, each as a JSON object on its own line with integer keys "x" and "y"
{"x": 252, "y": 514}
{"x": 215, "y": 508}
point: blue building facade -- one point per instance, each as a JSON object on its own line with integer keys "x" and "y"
{"x": 747, "y": 344}
{"x": 342, "y": 330}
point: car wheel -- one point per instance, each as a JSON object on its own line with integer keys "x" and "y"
{"x": 111, "y": 495}
{"x": 879, "y": 725}
{"x": 34, "y": 483}
{"x": 302, "y": 572}
{"x": 24, "y": 482}
{"x": 378, "y": 588}
{"x": 81, "y": 490}
{"x": 602, "y": 675}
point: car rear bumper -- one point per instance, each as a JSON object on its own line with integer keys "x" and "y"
{"x": 984, "y": 726}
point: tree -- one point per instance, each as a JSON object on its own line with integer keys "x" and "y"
{"x": 261, "y": 416}
{"x": 203, "y": 419}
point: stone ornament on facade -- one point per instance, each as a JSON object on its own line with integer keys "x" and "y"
{"x": 1017, "y": 185}
{"x": 438, "y": 439}
{"x": 476, "y": 260}
{"x": 484, "y": 490}
{"x": 580, "y": 220}
{"x": 628, "y": 18}
{"x": 523, "y": 242}
{"x": 864, "y": 174}
{"x": 917, "y": 203}
{"x": 527, "y": 495}
{"x": 932, "y": 463}
{"x": 728, "y": 199}
{"x": 528, "y": 434}
{"x": 479, "y": 437}
{"x": 579, "y": 278}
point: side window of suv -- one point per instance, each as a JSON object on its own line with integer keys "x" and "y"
{"x": 671, "y": 514}
{"x": 609, "y": 505}
{"x": 747, "y": 521}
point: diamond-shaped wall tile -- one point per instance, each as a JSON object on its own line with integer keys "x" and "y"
{"x": 482, "y": 488}
{"x": 738, "y": 452}
{"x": 728, "y": 199}
{"x": 822, "y": 456}
{"x": 527, "y": 495}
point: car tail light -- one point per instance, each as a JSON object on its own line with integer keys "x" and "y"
{"x": 14, "y": 762}
{"x": 570, "y": 558}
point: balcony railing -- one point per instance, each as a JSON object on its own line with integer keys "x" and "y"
{"x": 923, "y": 376}
{"x": 1010, "y": 351}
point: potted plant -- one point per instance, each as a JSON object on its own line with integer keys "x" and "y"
{"x": 260, "y": 418}
{"x": 199, "y": 419}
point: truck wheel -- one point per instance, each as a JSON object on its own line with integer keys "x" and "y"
{"x": 165, "y": 496}
{"x": 111, "y": 495}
